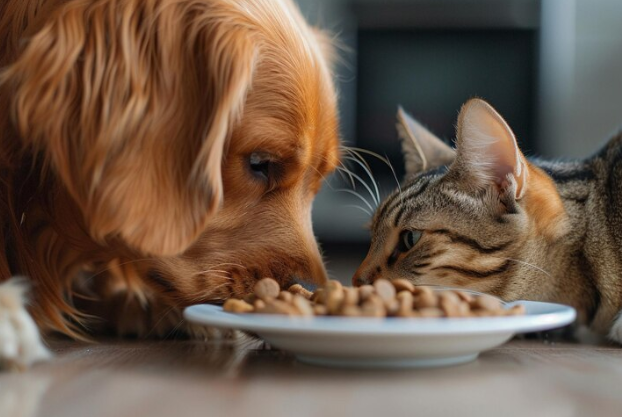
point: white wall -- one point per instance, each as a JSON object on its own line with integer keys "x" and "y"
{"x": 596, "y": 102}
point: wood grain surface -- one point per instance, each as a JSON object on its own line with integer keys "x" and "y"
{"x": 179, "y": 378}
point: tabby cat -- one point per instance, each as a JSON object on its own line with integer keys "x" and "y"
{"x": 482, "y": 216}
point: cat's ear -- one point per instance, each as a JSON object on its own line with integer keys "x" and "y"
{"x": 422, "y": 150}
{"x": 487, "y": 152}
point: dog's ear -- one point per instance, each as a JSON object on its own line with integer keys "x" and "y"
{"x": 131, "y": 105}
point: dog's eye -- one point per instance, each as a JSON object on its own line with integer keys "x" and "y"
{"x": 260, "y": 165}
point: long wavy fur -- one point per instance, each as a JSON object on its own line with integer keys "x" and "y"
{"x": 119, "y": 115}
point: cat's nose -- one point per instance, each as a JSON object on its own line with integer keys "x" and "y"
{"x": 362, "y": 277}
{"x": 367, "y": 272}
{"x": 358, "y": 281}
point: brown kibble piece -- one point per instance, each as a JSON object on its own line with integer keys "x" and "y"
{"x": 350, "y": 296}
{"x": 319, "y": 296}
{"x": 372, "y": 309}
{"x": 250, "y": 298}
{"x": 233, "y": 305}
{"x": 464, "y": 296}
{"x": 302, "y": 305}
{"x": 392, "y": 306}
{"x": 481, "y": 313}
{"x": 375, "y": 299}
{"x": 299, "y": 289}
{"x": 320, "y": 310}
{"x": 333, "y": 285}
{"x": 401, "y": 284}
{"x": 517, "y": 310}
{"x": 407, "y": 313}
{"x": 384, "y": 289}
{"x": 405, "y": 299}
{"x": 425, "y": 299}
{"x": 351, "y": 311}
{"x": 463, "y": 309}
{"x": 378, "y": 300}
{"x": 365, "y": 291}
{"x": 266, "y": 289}
{"x": 286, "y": 296}
{"x": 486, "y": 302}
{"x": 431, "y": 312}
{"x": 404, "y": 295}
{"x": 274, "y": 306}
{"x": 334, "y": 300}
{"x": 449, "y": 302}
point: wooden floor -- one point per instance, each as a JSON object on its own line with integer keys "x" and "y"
{"x": 175, "y": 378}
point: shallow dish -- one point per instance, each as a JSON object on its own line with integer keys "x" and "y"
{"x": 386, "y": 342}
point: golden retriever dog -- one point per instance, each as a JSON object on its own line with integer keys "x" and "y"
{"x": 154, "y": 154}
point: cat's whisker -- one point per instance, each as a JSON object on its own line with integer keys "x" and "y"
{"x": 383, "y": 159}
{"x": 369, "y": 174}
{"x": 358, "y": 151}
{"x": 375, "y": 197}
{"x": 342, "y": 170}
{"x": 399, "y": 186}
{"x": 354, "y": 152}
{"x": 358, "y": 158}
{"x": 537, "y": 268}
{"x": 360, "y": 208}
{"x": 357, "y": 195}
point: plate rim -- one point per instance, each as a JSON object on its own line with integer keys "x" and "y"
{"x": 213, "y": 315}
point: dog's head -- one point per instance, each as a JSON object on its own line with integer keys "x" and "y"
{"x": 195, "y": 132}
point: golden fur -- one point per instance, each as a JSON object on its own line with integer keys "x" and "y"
{"x": 125, "y": 152}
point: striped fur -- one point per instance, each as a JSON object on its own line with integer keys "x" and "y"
{"x": 561, "y": 241}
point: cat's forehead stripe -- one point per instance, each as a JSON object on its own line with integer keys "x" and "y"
{"x": 390, "y": 204}
{"x": 405, "y": 207}
{"x": 412, "y": 192}
{"x": 387, "y": 204}
{"x": 400, "y": 202}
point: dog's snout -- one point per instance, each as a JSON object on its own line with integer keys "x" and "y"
{"x": 305, "y": 282}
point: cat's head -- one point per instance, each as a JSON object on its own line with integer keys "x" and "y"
{"x": 468, "y": 216}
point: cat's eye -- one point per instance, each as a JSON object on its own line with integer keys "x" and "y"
{"x": 408, "y": 239}
{"x": 259, "y": 163}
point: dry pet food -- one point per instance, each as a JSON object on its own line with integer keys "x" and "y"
{"x": 397, "y": 298}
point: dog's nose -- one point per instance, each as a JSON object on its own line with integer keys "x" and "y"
{"x": 310, "y": 276}
{"x": 306, "y": 283}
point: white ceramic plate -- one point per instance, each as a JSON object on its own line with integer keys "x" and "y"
{"x": 386, "y": 342}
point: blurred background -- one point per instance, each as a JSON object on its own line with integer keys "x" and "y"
{"x": 553, "y": 69}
